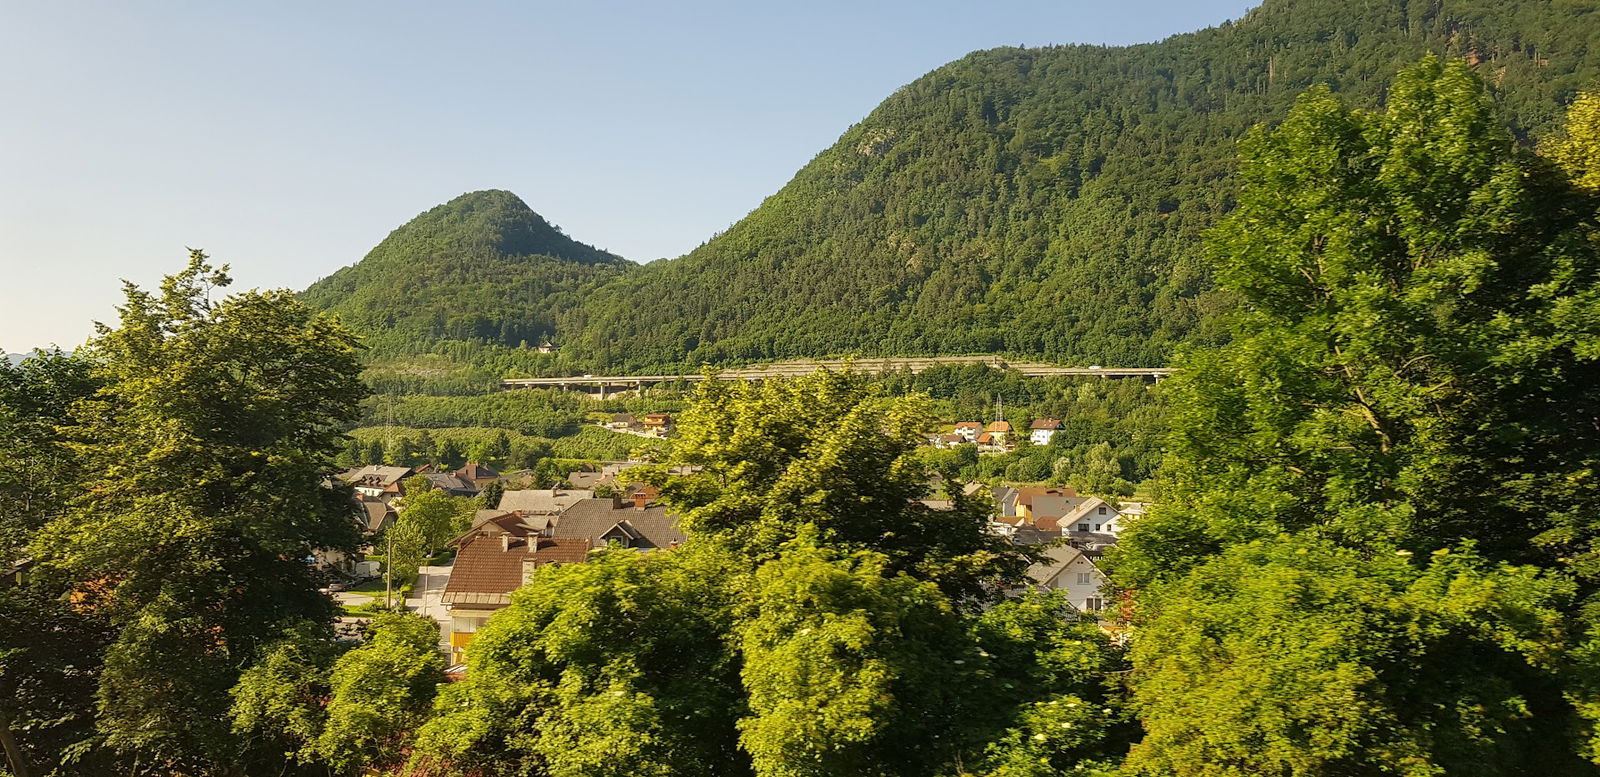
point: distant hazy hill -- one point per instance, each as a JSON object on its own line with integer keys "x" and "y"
{"x": 482, "y": 267}
{"x": 15, "y": 358}
{"x": 1039, "y": 202}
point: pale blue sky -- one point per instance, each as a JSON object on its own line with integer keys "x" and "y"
{"x": 287, "y": 138}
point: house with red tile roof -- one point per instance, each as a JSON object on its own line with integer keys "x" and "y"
{"x": 1043, "y": 430}
{"x": 504, "y": 548}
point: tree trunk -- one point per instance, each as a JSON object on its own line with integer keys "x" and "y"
{"x": 14, "y": 756}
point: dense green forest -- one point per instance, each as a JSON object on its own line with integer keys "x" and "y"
{"x": 480, "y": 268}
{"x": 1041, "y": 202}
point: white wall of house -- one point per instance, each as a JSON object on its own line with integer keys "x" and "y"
{"x": 1082, "y": 581}
{"x": 1043, "y": 436}
{"x": 1101, "y": 518}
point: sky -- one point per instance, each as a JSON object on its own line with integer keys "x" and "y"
{"x": 288, "y": 138}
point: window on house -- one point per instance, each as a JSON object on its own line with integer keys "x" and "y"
{"x": 1097, "y": 527}
{"x": 1102, "y": 509}
{"x": 1083, "y": 527}
{"x": 1094, "y": 603}
{"x": 1084, "y": 578}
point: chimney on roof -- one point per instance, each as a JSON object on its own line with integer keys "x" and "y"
{"x": 533, "y": 543}
{"x": 640, "y": 499}
{"x": 616, "y": 501}
{"x": 505, "y": 542}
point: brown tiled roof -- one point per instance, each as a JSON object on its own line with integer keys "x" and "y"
{"x": 998, "y": 426}
{"x": 985, "y": 438}
{"x": 452, "y": 483}
{"x": 377, "y": 475}
{"x": 486, "y": 572}
{"x": 593, "y": 519}
{"x": 1025, "y": 496}
{"x": 475, "y": 471}
{"x": 376, "y": 514}
{"x": 1045, "y": 423}
{"x": 585, "y": 480}
{"x": 542, "y": 500}
{"x": 969, "y": 425}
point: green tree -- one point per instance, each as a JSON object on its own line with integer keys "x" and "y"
{"x": 619, "y": 666}
{"x": 851, "y": 669}
{"x": 1577, "y": 148}
{"x": 492, "y": 493}
{"x": 279, "y": 702}
{"x": 1296, "y": 657}
{"x": 1412, "y": 359}
{"x": 207, "y": 445}
{"x": 449, "y": 454}
{"x": 428, "y": 518}
{"x": 826, "y": 454}
{"x": 37, "y": 397}
{"x": 1411, "y": 374}
{"x": 381, "y": 692}
{"x": 50, "y": 658}
{"x": 397, "y": 452}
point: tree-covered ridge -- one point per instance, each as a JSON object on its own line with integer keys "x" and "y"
{"x": 1050, "y": 201}
{"x": 1041, "y": 202}
{"x": 481, "y": 267}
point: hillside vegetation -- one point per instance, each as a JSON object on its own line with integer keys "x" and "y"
{"x": 482, "y": 267}
{"x": 1037, "y": 202}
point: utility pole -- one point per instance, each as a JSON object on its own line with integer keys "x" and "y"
{"x": 388, "y": 573}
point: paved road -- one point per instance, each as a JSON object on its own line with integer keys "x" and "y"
{"x": 426, "y": 599}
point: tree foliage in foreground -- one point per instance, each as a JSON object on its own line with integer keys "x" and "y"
{"x": 200, "y": 489}
{"x": 1376, "y": 549}
{"x": 820, "y": 621}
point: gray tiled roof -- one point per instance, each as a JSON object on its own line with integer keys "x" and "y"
{"x": 592, "y": 519}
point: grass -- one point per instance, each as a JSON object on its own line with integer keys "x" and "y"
{"x": 373, "y": 587}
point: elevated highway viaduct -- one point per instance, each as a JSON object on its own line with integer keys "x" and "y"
{"x": 608, "y": 385}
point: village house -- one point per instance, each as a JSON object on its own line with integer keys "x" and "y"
{"x": 585, "y": 480}
{"x": 505, "y": 546}
{"x": 493, "y": 559}
{"x": 989, "y": 442}
{"x": 1056, "y": 498}
{"x": 969, "y": 430}
{"x": 376, "y": 515}
{"x": 479, "y": 475}
{"x": 542, "y": 501}
{"x": 623, "y": 422}
{"x": 1043, "y": 430}
{"x": 451, "y": 484}
{"x": 1092, "y": 515}
{"x": 999, "y": 431}
{"x": 1075, "y": 571}
{"x": 1061, "y": 509}
{"x": 379, "y": 481}
{"x": 633, "y": 521}
{"x": 657, "y": 424}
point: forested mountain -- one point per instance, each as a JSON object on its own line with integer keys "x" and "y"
{"x": 1040, "y": 202}
{"x": 481, "y": 267}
